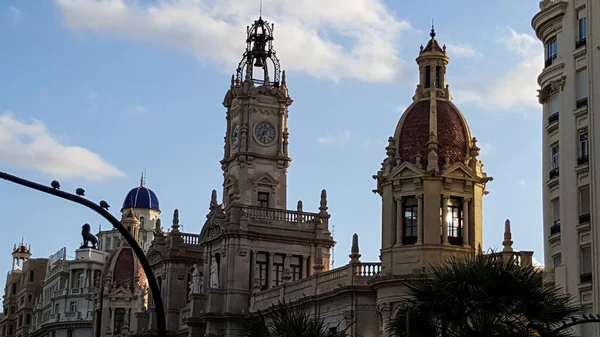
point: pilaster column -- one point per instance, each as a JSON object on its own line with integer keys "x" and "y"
{"x": 398, "y": 221}
{"x": 420, "y": 219}
{"x": 465, "y": 222}
{"x": 444, "y": 219}
{"x": 252, "y": 266}
{"x": 270, "y": 275}
{"x": 305, "y": 272}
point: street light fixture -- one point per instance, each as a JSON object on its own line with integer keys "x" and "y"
{"x": 161, "y": 325}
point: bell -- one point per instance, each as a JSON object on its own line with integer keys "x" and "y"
{"x": 259, "y": 62}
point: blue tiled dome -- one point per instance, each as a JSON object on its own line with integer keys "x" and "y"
{"x": 141, "y": 197}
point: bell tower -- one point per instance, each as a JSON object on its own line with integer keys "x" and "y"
{"x": 256, "y": 156}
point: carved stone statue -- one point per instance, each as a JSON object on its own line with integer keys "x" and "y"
{"x": 86, "y": 234}
{"x": 214, "y": 273}
{"x": 196, "y": 281}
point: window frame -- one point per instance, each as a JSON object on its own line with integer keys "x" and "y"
{"x": 262, "y": 199}
{"x": 262, "y": 269}
{"x": 277, "y": 271}
{"x": 410, "y": 220}
{"x": 296, "y": 268}
{"x": 555, "y": 156}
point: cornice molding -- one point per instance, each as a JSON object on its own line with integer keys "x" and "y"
{"x": 551, "y": 12}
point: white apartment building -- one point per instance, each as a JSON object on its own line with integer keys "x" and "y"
{"x": 569, "y": 30}
{"x": 65, "y": 306}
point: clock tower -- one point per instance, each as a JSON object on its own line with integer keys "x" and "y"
{"x": 256, "y": 156}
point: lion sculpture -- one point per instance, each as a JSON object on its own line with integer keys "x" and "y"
{"x": 86, "y": 234}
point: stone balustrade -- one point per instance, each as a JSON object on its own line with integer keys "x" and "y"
{"x": 279, "y": 215}
{"x": 191, "y": 239}
{"x": 520, "y": 258}
{"x": 356, "y": 274}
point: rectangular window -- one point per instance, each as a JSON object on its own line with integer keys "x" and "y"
{"x": 73, "y": 306}
{"x": 584, "y": 200}
{"x": 582, "y": 84}
{"x": 409, "y": 225}
{"x": 427, "y": 76}
{"x": 119, "y": 320}
{"x": 79, "y": 280}
{"x": 551, "y": 49}
{"x": 437, "y": 76}
{"x": 556, "y": 210}
{"x": 586, "y": 260}
{"x": 263, "y": 199}
{"x": 555, "y": 157}
{"x": 554, "y": 103}
{"x": 454, "y": 220}
{"x": 583, "y": 144}
{"x": 296, "y": 267}
{"x": 582, "y": 27}
{"x": 277, "y": 269}
{"x": 262, "y": 263}
{"x": 28, "y": 319}
{"x": 557, "y": 260}
{"x": 31, "y": 276}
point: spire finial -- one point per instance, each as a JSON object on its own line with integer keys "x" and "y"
{"x": 432, "y": 34}
{"x": 260, "y": 9}
{"x": 143, "y": 179}
{"x": 507, "y": 243}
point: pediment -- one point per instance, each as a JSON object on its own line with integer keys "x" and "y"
{"x": 266, "y": 179}
{"x": 406, "y": 170}
{"x": 459, "y": 170}
{"x": 120, "y": 292}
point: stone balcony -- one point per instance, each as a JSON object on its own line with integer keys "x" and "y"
{"x": 522, "y": 258}
{"x": 351, "y": 275}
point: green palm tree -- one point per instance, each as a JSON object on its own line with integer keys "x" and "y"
{"x": 483, "y": 296}
{"x": 285, "y": 320}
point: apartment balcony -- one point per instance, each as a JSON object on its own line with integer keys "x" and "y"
{"x": 582, "y": 160}
{"x": 553, "y": 173}
{"x": 555, "y": 228}
{"x": 580, "y": 43}
{"x": 584, "y": 218}
{"x": 585, "y": 278}
{"x": 581, "y": 103}
{"x": 553, "y": 118}
{"x": 550, "y": 60}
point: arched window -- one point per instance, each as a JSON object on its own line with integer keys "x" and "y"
{"x": 142, "y": 221}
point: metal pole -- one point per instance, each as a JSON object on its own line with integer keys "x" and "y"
{"x": 408, "y": 321}
{"x": 158, "y": 304}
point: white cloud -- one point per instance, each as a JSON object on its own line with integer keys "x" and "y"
{"x": 517, "y": 86}
{"x": 15, "y": 14}
{"x": 366, "y": 47}
{"x": 31, "y": 145}
{"x": 485, "y": 149}
{"x": 140, "y": 109}
{"x": 522, "y": 182}
{"x": 92, "y": 96}
{"x": 462, "y": 51}
{"x": 338, "y": 137}
{"x": 536, "y": 263}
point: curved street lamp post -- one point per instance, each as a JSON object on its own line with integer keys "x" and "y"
{"x": 158, "y": 304}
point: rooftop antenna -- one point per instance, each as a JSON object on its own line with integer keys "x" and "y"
{"x": 333, "y": 248}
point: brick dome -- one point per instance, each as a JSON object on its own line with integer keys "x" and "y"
{"x": 413, "y": 132}
{"x": 120, "y": 268}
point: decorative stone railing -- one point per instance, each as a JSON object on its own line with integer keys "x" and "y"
{"x": 261, "y": 213}
{"x": 191, "y": 239}
{"x": 520, "y": 258}
{"x": 347, "y": 276}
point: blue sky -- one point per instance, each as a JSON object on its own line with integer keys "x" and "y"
{"x": 96, "y": 91}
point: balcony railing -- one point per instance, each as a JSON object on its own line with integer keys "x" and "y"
{"x": 553, "y": 118}
{"x": 260, "y": 213}
{"x": 584, "y": 218}
{"x": 555, "y": 229}
{"x": 585, "y": 278}
{"x": 581, "y": 103}
{"x": 584, "y": 159}
{"x": 550, "y": 60}
{"x": 553, "y": 173}
{"x": 580, "y": 43}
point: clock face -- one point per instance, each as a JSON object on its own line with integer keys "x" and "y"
{"x": 264, "y": 132}
{"x": 235, "y": 135}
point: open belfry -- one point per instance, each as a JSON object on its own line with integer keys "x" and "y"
{"x": 253, "y": 252}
